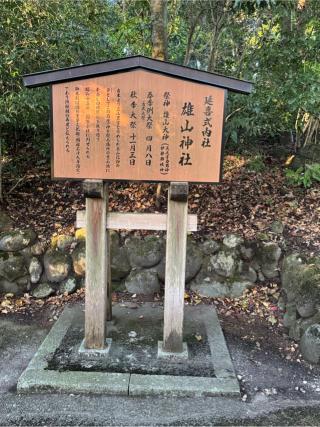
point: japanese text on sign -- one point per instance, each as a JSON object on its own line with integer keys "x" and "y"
{"x": 137, "y": 126}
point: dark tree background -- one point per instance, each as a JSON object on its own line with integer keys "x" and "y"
{"x": 274, "y": 43}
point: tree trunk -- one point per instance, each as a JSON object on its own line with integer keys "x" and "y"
{"x": 159, "y": 45}
{"x": 159, "y": 29}
{"x": 192, "y": 29}
{"x": 1, "y": 197}
{"x": 214, "y": 51}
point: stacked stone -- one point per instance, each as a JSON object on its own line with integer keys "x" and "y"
{"x": 17, "y": 248}
{"x": 213, "y": 269}
{"x": 301, "y": 303}
{"x": 233, "y": 265}
{"x": 25, "y": 265}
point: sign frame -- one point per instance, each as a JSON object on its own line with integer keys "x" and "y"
{"x": 223, "y": 142}
{"x": 126, "y": 65}
{"x": 98, "y": 275}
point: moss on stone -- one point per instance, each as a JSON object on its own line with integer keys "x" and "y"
{"x": 80, "y": 234}
{"x": 309, "y": 282}
{"x": 144, "y": 252}
{"x": 4, "y": 256}
{"x": 16, "y": 240}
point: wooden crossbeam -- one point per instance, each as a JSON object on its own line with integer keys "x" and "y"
{"x": 136, "y": 221}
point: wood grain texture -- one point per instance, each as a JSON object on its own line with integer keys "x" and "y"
{"x": 109, "y": 278}
{"x": 129, "y": 64}
{"x": 93, "y": 132}
{"x": 93, "y": 188}
{"x": 136, "y": 221}
{"x": 179, "y": 192}
{"x": 96, "y": 274}
{"x": 176, "y": 248}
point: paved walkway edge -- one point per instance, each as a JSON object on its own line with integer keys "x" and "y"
{"x": 167, "y": 385}
{"x": 38, "y": 378}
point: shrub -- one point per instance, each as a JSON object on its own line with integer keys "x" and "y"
{"x": 305, "y": 176}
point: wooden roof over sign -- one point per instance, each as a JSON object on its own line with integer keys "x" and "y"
{"x": 137, "y": 119}
{"x": 133, "y": 63}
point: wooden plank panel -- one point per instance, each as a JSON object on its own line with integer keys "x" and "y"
{"x": 96, "y": 275}
{"x": 144, "y": 127}
{"x": 176, "y": 249}
{"x": 136, "y": 221}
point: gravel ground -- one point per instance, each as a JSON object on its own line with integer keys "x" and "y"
{"x": 276, "y": 391}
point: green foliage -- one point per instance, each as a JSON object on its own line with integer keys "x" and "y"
{"x": 39, "y": 35}
{"x": 274, "y": 43}
{"x": 305, "y": 176}
{"x": 278, "y": 51}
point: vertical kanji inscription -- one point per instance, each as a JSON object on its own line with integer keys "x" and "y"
{"x": 186, "y": 134}
{"x": 164, "y": 148}
{"x": 137, "y": 126}
{"x": 149, "y": 127}
{"x": 207, "y": 122}
{"x": 133, "y": 127}
{"x": 67, "y": 119}
{"x": 98, "y": 106}
{"x": 77, "y": 129}
{"x": 118, "y": 134}
{"x": 88, "y": 117}
{"x": 108, "y": 130}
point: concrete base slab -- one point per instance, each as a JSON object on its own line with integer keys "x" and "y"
{"x": 297, "y": 401}
{"x": 168, "y": 385}
{"x": 167, "y": 355}
{"x": 74, "y": 382}
{"x": 38, "y": 378}
{"x": 42, "y": 374}
{"x": 103, "y": 352}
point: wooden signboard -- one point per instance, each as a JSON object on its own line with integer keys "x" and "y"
{"x": 136, "y": 119}
{"x": 139, "y": 126}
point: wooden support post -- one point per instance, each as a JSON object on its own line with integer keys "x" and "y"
{"x": 109, "y": 278}
{"x": 96, "y": 193}
{"x": 176, "y": 248}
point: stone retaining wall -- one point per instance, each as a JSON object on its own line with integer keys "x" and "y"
{"x": 300, "y": 279}
{"x": 213, "y": 269}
